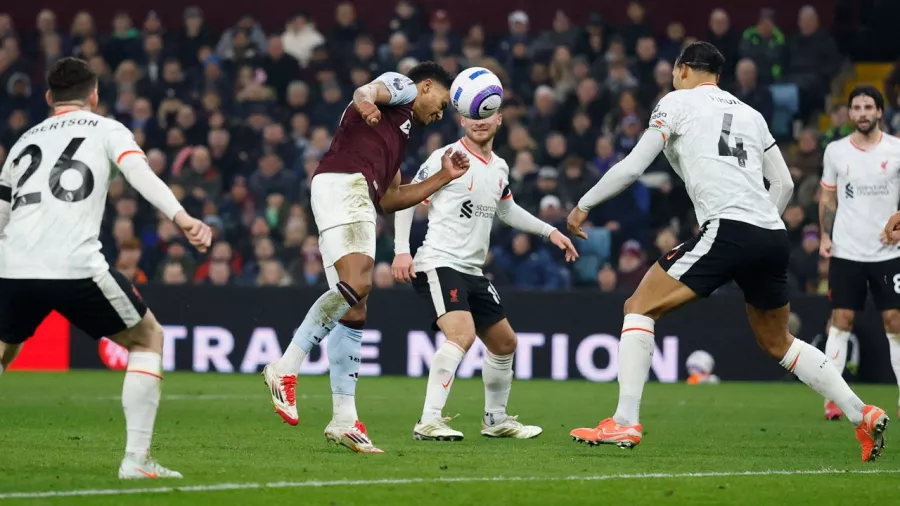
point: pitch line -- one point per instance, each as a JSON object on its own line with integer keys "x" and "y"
{"x": 415, "y": 481}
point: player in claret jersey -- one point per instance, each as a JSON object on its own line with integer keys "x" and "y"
{"x": 860, "y": 191}
{"x": 359, "y": 173}
{"x": 723, "y": 150}
{"x": 52, "y": 195}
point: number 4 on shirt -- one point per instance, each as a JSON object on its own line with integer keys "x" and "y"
{"x": 725, "y": 148}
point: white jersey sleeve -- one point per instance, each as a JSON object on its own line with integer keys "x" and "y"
{"x": 120, "y": 142}
{"x": 403, "y": 90}
{"x": 830, "y": 170}
{"x": 668, "y": 116}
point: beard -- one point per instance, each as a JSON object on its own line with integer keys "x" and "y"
{"x": 866, "y": 131}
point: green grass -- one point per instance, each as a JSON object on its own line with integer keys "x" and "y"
{"x": 61, "y": 432}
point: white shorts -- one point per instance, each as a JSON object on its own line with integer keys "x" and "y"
{"x": 345, "y": 216}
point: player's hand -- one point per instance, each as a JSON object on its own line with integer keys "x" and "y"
{"x": 455, "y": 163}
{"x": 575, "y": 221}
{"x": 402, "y": 268}
{"x": 562, "y": 242}
{"x": 198, "y": 233}
{"x": 892, "y": 229}
{"x": 825, "y": 246}
{"x": 369, "y": 112}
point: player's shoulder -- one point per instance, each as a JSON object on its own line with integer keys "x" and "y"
{"x": 677, "y": 98}
{"x": 499, "y": 163}
{"x": 838, "y": 146}
{"x": 891, "y": 141}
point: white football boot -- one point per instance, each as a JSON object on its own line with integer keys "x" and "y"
{"x": 136, "y": 468}
{"x": 354, "y": 437}
{"x": 283, "y": 388}
{"x": 436, "y": 430}
{"x": 510, "y": 427}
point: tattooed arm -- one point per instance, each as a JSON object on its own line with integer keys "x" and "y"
{"x": 827, "y": 213}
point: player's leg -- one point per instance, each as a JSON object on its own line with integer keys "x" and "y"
{"x": 657, "y": 294}
{"x": 345, "y": 215}
{"x": 693, "y": 269}
{"x": 8, "y": 353}
{"x": 447, "y": 294}
{"x": 20, "y": 315}
{"x": 109, "y": 306}
{"x": 847, "y": 293}
{"x": 763, "y": 279}
{"x": 497, "y": 374}
{"x": 884, "y": 282}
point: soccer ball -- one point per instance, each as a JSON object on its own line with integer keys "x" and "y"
{"x": 476, "y": 93}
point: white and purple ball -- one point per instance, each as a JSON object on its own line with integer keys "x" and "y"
{"x": 476, "y": 93}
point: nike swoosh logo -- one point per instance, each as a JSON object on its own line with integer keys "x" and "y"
{"x": 490, "y": 108}
{"x": 145, "y": 473}
{"x": 471, "y": 183}
{"x": 836, "y": 354}
{"x": 671, "y": 255}
{"x": 447, "y": 384}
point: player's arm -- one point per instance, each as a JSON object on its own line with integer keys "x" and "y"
{"x": 518, "y": 218}
{"x": 776, "y": 172}
{"x": 619, "y": 177}
{"x": 398, "y": 197}
{"x": 129, "y": 157}
{"x": 389, "y": 88}
{"x": 402, "y": 266}
{"x": 5, "y": 193}
{"x": 827, "y": 202}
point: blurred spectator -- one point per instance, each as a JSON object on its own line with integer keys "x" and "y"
{"x": 198, "y": 177}
{"x": 636, "y": 27}
{"x": 195, "y": 35}
{"x": 812, "y": 61}
{"x": 807, "y": 155}
{"x": 583, "y": 135}
{"x": 518, "y": 24}
{"x": 527, "y": 266}
{"x": 248, "y": 35}
{"x": 632, "y": 266}
{"x": 307, "y": 270}
{"x": 629, "y": 133}
{"x": 725, "y": 39}
{"x": 543, "y": 118}
{"x": 764, "y": 44}
{"x": 670, "y": 47}
{"x": 805, "y": 260}
{"x": 129, "y": 258}
{"x": 219, "y": 274}
{"x": 649, "y": 94}
{"x": 666, "y": 240}
{"x": 280, "y": 68}
{"x": 646, "y": 59}
{"x": 272, "y": 273}
{"x": 300, "y": 37}
{"x": 407, "y": 19}
{"x": 271, "y": 177}
{"x": 607, "y": 279}
{"x": 841, "y": 126}
{"x": 619, "y": 80}
{"x": 173, "y": 274}
{"x": 562, "y": 33}
{"x": 747, "y": 90}
{"x": 347, "y": 28}
{"x": 329, "y": 110}
{"x": 124, "y": 43}
{"x": 441, "y": 30}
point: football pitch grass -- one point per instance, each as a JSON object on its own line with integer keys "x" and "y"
{"x": 62, "y": 437}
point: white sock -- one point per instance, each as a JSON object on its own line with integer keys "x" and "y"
{"x": 1, "y": 369}
{"x": 813, "y": 368}
{"x": 497, "y": 374}
{"x": 140, "y": 399}
{"x": 440, "y": 379}
{"x": 894, "y": 342}
{"x": 836, "y": 347}
{"x": 635, "y": 355}
{"x": 344, "y": 410}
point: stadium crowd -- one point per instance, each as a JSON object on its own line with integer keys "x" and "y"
{"x": 236, "y": 122}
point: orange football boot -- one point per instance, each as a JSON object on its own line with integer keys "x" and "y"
{"x": 870, "y": 433}
{"x": 609, "y": 432}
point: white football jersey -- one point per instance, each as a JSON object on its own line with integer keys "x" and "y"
{"x": 716, "y": 144}
{"x": 57, "y": 176}
{"x": 461, "y": 214}
{"x": 867, "y": 183}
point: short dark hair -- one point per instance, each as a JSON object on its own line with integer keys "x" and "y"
{"x": 430, "y": 70}
{"x": 703, "y": 57}
{"x": 867, "y": 90}
{"x": 71, "y": 79}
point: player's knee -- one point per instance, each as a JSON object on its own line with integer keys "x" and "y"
{"x": 843, "y": 319}
{"x": 504, "y": 346}
{"x": 634, "y": 305}
{"x": 891, "y": 320}
{"x": 775, "y": 344}
{"x": 149, "y": 337}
